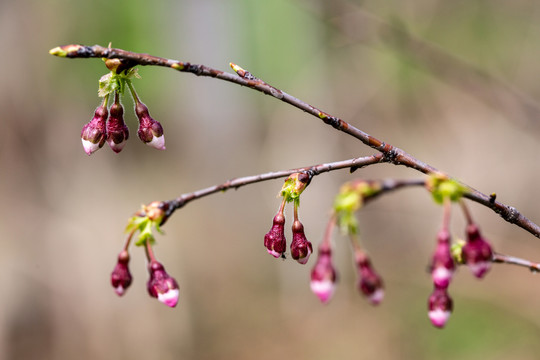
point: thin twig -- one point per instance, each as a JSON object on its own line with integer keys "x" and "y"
{"x": 183, "y": 199}
{"x": 512, "y": 260}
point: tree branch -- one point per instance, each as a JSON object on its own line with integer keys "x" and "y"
{"x": 389, "y": 152}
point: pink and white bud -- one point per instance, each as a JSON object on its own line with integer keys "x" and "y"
{"x": 274, "y": 240}
{"x": 117, "y": 130}
{"x": 442, "y": 263}
{"x": 440, "y": 307}
{"x": 94, "y": 133}
{"x": 121, "y": 277}
{"x": 161, "y": 285}
{"x": 323, "y": 276}
{"x": 369, "y": 282}
{"x": 301, "y": 248}
{"x": 150, "y": 131}
{"x": 477, "y": 252}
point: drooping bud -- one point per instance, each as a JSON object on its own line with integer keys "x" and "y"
{"x": 369, "y": 282}
{"x": 477, "y": 252}
{"x": 121, "y": 277}
{"x": 301, "y": 248}
{"x": 94, "y": 133}
{"x": 323, "y": 275}
{"x": 161, "y": 285}
{"x": 274, "y": 240}
{"x": 440, "y": 307}
{"x": 442, "y": 263}
{"x": 117, "y": 130}
{"x": 150, "y": 130}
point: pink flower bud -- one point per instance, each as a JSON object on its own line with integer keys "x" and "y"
{"x": 442, "y": 263}
{"x": 477, "y": 252}
{"x": 150, "y": 131}
{"x": 161, "y": 285}
{"x": 274, "y": 240}
{"x": 117, "y": 131}
{"x": 94, "y": 133}
{"x": 301, "y": 248}
{"x": 440, "y": 307}
{"x": 369, "y": 282}
{"x": 323, "y": 276}
{"x": 121, "y": 277}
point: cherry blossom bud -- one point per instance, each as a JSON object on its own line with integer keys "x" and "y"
{"x": 442, "y": 263}
{"x": 150, "y": 130}
{"x": 121, "y": 277}
{"x": 94, "y": 133}
{"x": 369, "y": 282}
{"x": 274, "y": 240}
{"x": 477, "y": 252}
{"x": 301, "y": 248}
{"x": 117, "y": 131}
{"x": 161, "y": 285}
{"x": 323, "y": 276}
{"x": 440, "y": 307}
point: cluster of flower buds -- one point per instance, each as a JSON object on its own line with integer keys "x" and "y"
{"x": 476, "y": 252}
{"x": 114, "y": 131}
{"x": 274, "y": 240}
{"x": 160, "y": 284}
{"x": 442, "y": 271}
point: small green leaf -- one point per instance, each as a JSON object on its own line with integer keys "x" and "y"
{"x": 457, "y": 251}
{"x": 294, "y": 185}
{"x": 443, "y": 188}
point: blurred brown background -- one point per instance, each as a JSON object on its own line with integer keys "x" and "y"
{"x": 454, "y": 83}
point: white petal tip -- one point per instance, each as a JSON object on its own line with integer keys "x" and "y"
{"x": 441, "y": 277}
{"x": 170, "y": 298}
{"x": 480, "y": 268}
{"x": 377, "y": 297}
{"x": 323, "y": 289}
{"x": 119, "y": 290}
{"x": 158, "y": 142}
{"x": 274, "y": 253}
{"x": 89, "y": 147}
{"x": 439, "y": 317}
{"x": 116, "y": 147}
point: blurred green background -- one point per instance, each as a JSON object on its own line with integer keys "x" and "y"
{"x": 454, "y": 83}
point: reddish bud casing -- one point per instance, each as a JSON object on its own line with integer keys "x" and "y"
{"x": 323, "y": 276}
{"x": 274, "y": 240}
{"x": 442, "y": 263}
{"x": 161, "y": 285}
{"x": 94, "y": 133}
{"x": 150, "y": 131}
{"x": 121, "y": 277}
{"x": 301, "y": 248}
{"x": 477, "y": 252}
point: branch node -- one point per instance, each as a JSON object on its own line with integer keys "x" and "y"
{"x": 510, "y": 214}
{"x": 391, "y": 155}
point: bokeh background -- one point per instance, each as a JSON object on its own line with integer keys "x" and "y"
{"x": 454, "y": 83}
